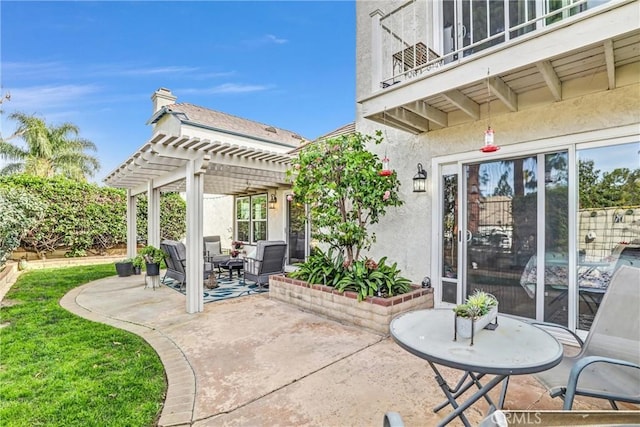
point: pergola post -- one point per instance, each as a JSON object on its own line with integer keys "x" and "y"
{"x": 195, "y": 265}
{"x": 132, "y": 232}
{"x": 153, "y": 222}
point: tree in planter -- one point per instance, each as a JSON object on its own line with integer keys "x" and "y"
{"x": 340, "y": 181}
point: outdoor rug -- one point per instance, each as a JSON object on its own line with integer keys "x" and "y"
{"x": 228, "y": 288}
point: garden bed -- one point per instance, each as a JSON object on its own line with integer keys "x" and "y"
{"x": 374, "y": 313}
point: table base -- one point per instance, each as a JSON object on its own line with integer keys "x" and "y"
{"x": 468, "y": 380}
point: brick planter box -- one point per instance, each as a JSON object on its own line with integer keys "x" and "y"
{"x": 373, "y": 313}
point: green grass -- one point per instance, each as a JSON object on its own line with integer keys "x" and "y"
{"x": 57, "y": 369}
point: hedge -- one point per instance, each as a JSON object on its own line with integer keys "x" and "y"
{"x": 84, "y": 217}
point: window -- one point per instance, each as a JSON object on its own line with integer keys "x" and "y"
{"x": 251, "y": 218}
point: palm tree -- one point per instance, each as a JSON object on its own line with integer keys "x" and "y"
{"x": 50, "y": 150}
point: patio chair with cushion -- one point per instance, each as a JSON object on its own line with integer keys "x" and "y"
{"x": 176, "y": 261}
{"x": 268, "y": 260}
{"x": 213, "y": 251}
{"x": 608, "y": 364}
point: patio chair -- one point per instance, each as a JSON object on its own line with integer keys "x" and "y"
{"x": 268, "y": 260}
{"x": 608, "y": 364}
{"x": 176, "y": 261}
{"x": 213, "y": 252}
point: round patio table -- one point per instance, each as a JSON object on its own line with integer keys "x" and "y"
{"x": 513, "y": 348}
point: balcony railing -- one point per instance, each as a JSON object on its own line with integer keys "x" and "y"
{"x": 410, "y": 48}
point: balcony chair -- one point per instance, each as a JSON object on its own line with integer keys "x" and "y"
{"x": 176, "y": 261}
{"x": 608, "y": 364}
{"x": 268, "y": 260}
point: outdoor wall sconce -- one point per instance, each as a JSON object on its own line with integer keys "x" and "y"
{"x": 273, "y": 201}
{"x": 420, "y": 180}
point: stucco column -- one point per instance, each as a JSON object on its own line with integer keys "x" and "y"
{"x": 376, "y": 50}
{"x": 195, "y": 267}
{"x": 132, "y": 232}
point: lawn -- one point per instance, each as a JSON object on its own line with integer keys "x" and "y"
{"x": 57, "y": 369}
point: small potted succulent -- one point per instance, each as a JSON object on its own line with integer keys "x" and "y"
{"x": 153, "y": 258}
{"x": 479, "y": 309}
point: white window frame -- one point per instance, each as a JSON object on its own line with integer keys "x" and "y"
{"x": 251, "y": 219}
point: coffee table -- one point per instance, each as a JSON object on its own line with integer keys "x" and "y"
{"x": 231, "y": 265}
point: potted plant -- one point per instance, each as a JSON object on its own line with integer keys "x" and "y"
{"x": 152, "y": 257}
{"x": 479, "y": 309}
{"x": 138, "y": 262}
{"x": 124, "y": 267}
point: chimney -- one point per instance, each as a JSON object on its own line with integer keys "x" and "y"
{"x": 162, "y": 97}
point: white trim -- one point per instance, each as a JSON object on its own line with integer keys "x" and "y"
{"x": 570, "y": 143}
{"x": 540, "y": 238}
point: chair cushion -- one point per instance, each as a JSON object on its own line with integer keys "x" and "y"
{"x": 212, "y": 248}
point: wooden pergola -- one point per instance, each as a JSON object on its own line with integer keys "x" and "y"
{"x": 194, "y": 166}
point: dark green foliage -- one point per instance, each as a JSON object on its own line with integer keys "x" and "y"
{"x": 365, "y": 277}
{"x": 87, "y": 218}
{"x": 173, "y": 225}
{"x": 20, "y": 212}
{"x": 620, "y": 187}
{"x": 80, "y": 216}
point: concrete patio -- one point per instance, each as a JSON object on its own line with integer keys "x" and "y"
{"x": 253, "y": 361}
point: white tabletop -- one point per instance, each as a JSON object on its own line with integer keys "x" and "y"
{"x": 515, "y": 347}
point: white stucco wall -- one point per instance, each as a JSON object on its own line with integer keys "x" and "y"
{"x": 217, "y": 218}
{"x": 404, "y": 235}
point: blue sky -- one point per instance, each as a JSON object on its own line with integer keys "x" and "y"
{"x": 96, "y": 64}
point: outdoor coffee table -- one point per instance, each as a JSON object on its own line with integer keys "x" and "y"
{"x": 231, "y": 265}
{"x": 513, "y": 348}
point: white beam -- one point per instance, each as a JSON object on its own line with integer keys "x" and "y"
{"x": 463, "y": 102}
{"x": 500, "y": 89}
{"x": 153, "y": 215}
{"x": 153, "y": 223}
{"x": 132, "y": 232}
{"x": 610, "y": 62}
{"x": 194, "y": 244}
{"x": 551, "y": 78}
{"x": 410, "y": 118}
{"x": 428, "y": 112}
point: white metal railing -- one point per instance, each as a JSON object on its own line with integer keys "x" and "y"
{"x": 408, "y": 44}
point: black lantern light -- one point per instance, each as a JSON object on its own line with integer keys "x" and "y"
{"x": 420, "y": 180}
{"x": 273, "y": 200}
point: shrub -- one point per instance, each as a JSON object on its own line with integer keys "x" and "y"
{"x": 20, "y": 212}
{"x": 173, "y": 214}
{"x": 365, "y": 277}
{"x": 84, "y": 217}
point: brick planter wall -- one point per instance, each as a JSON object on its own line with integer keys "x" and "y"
{"x": 373, "y": 313}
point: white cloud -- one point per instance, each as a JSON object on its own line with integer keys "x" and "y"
{"x": 274, "y": 39}
{"x": 267, "y": 39}
{"x": 34, "y": 70}
{"x": 38, "y": 99}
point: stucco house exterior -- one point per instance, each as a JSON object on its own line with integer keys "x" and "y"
{"x": 503, "y": 103}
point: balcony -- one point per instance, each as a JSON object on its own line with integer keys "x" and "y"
{"x": 432, "y": 82}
